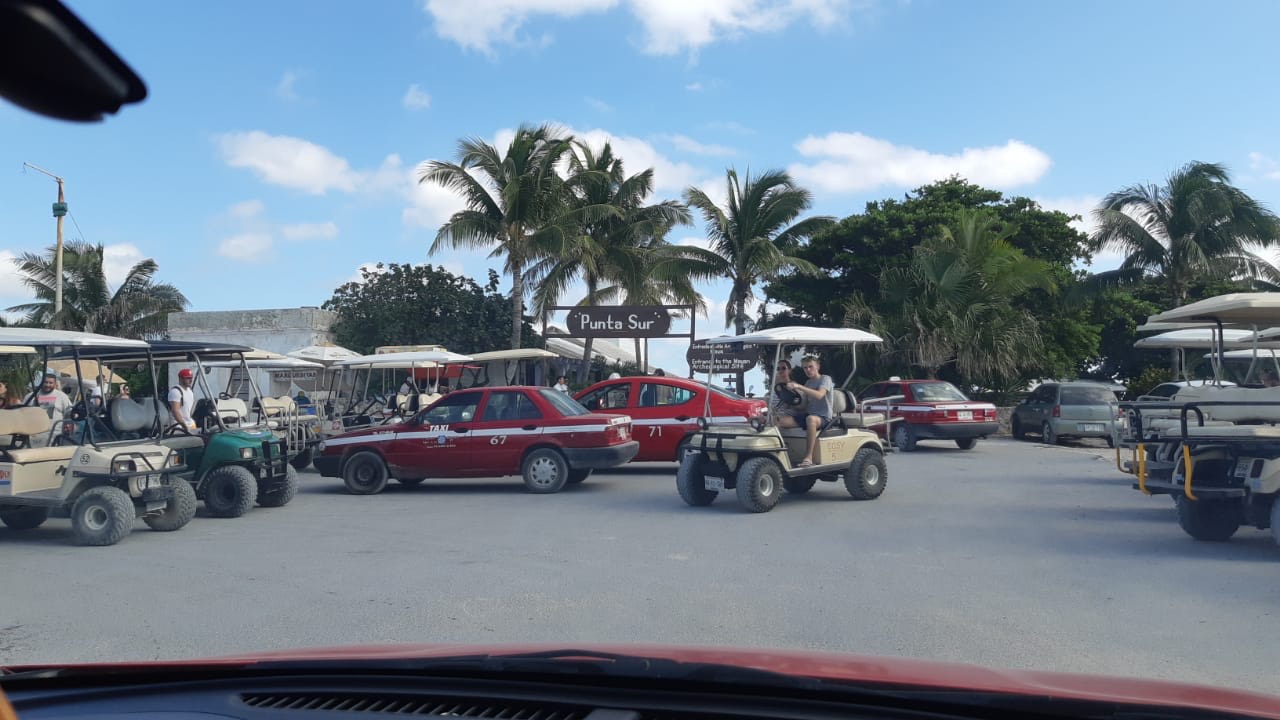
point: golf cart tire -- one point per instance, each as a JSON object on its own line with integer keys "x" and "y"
{"x": 23, "y": 517}
{"x": 410, "y": 482}
{"x": 180, "y": 510}
{"x": 229, "y": 491}
{"x": 1208, "y": 521}
{"x": 966, "y": 443}
{"x": 1016, "y": 430}
{"x": 578, "y": 476}
{"x": 799, "y": 485}
{"x": 759, "y": 484}
{"x": 692, "y": 484}
{"x": 545, "y": 471}
{"x": 302, "y": 460}
{"x": 904, "y": 438}
{"x": 1275, "y": 519}
{"x": 103, "y": 515}
{"x": 282, "y": 492}
{"x": 867, "y": 475}
{"x": 365, "y": 474}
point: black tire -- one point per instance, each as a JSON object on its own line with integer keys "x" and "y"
{"x": 577, "y": 476}
{"x": 365, "y": 474}
{"x": 103, "y": 515}
{"x": 229, "y": 491}
{"x": 1111, "y": 441}
{"x": 1275, "y": 520}
{"x": 1048, "y": 435}
{"x": 279, "y": 494}
{"x": 966, "y": 443}
{"x": 799, "y": 485}
{"x": 179, "y": 511}
{"x": 545, "y": 471}
{"x": 23, "y": 517}
{"x": 691, "y": 483}
{"x": 410, "y": 482}
{"x": 1208, "y": 521}
{"x": 759, "y": 484}
{"x": 1015, "y": 429}
{"x": 868, "y": 475}
{"x": 904, "y": 438}
{"x": 683, "y": 449}
{"x": 302, "y": 460}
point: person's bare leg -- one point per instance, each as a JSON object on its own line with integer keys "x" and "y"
{"x": 786, "y": 421}
{"x": 812, "y": 422}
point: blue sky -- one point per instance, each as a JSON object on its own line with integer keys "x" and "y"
{"x": 275, "y": 154}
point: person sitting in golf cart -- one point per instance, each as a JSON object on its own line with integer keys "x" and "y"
{"x": 182, "y": 400}
{"x": 50, "y": 397}
{"x": 816, "y": 412}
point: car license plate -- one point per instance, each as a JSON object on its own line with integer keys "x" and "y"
{"x": 1090, "y": 427}
{"x": 713, "y": 483}
{"x": 964, "y": 414}
{"x": 1242, "y": 467}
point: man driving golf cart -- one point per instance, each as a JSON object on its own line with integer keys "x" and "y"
{"x": 815, "y": 397}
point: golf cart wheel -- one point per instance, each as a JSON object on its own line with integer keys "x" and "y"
{"x": 578, "y": 476}
{"x": 365, "y": 474}
{"x": 966, "y": 443}
{"x": 1048, "y": 435}
{"x": 410, "y": 482}
{"x": 103, "y": 515}
{"x": 1275, "y": 520}
{"x": 281, "y": 492}
{"x": 303, "y": 459}
{"x": 759, "y": 484}
{"x": 545, "y": 471}
{"x": 1207, "y": 520}
{"x": 179, "y": 511}
{"x": 799, "y": 485}
{"x": 867, "y": 474}
{"x": 23, "y": 517}
{"x": 692, "y": 484}
{"x": 1016, "y": 429}
{"x": 684, "y": 448}
{"x": 229, "y": 491}
{"x": 904, "y": 438}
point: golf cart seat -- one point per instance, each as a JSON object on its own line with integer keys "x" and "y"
{"x": 182, "y": 442}
{"x": 845, "y": 406}
{"x": 232, "y": 410}
{"x": 19, "y": 425}
{"x": 128, "y": 415}
{"x": 1167, "y": 425}
{"x": 275, "y": 407}
{"x": 1235, "y": 393}
{"x": 1226, "y": 431}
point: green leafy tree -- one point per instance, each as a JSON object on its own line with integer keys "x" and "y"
{"x": 403, "y": 304}
{"x": 755, "y": 236}
{"x": 138, "y": 308}
{"x": 1195, "y": 226}
{"x": 514, "y": 204}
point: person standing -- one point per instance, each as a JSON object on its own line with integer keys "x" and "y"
{"x": 50, "y": 397}
{"x": 816, "y": 416}
{"x": 182, "y": 400}
{"x": 562, "y": 384}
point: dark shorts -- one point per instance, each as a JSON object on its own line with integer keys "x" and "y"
{"x": 802, "y": 420}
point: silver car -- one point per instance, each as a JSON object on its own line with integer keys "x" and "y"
{"x": 1068, "y": 409}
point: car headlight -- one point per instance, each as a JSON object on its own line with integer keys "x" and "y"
{"x": 246, "y": 453}
{"x": 120, "y": 467}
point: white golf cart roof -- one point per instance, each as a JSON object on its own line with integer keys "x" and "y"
{"x": 1167, "y": 326}
{"x": 17, "y": 350}
{"x": 40, "y": 337}
{"x": 1266, "y": 352}
{"x": 324, "y": 354}
{"x": 517, "y": 354}
{"x": 1261, "y": 309}
{"x": 416, "y": 359}
{"x": 799, "y": 335}
{"x": 1205, "y": 338}
{"x": 280, "y": 363}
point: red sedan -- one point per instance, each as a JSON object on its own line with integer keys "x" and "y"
{"x": 665, "y": 410}
{"x": 933, "y": 410}
{"x": 539, "y": 433}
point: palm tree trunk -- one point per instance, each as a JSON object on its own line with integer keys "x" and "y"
{"x": 587, "y": 342}
{"x": 517, "y": 304}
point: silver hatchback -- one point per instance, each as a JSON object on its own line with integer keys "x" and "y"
{"x": 1068, "y": 409}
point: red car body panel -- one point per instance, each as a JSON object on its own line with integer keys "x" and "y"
{"x": 664, "y": 410}
{"x": 933, "y": 418}
{"x": 856, "y": 669}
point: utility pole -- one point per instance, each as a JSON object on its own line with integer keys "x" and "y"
{"x": 59, "y": 211}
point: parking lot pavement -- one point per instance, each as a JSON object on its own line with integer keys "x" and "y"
{"x": 1011, "y": 555}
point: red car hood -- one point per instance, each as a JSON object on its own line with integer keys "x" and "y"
{"x": 870, "y": 670}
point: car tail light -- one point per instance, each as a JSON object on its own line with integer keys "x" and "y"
{"x": 1057, "y": 411}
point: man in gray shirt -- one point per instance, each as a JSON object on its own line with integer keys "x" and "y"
{"x": 816, "y": 393}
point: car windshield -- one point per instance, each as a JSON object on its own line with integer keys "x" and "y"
{"x": 936, "y": 392}
{"x": 563, "y": 404}
{"x": 1084, "y": 395}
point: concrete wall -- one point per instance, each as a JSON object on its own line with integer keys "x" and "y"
{"x": 282, "y": 331}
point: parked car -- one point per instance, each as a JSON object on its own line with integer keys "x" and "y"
{"x": 539, "y": 433}
{"x": 1058, "y": 410}
{"x": 1169, "y": 389}
{"x": 932, "y": 410}
{"x": 664, "y": 411}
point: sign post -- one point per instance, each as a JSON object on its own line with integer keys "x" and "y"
{"x": 622, "y": 321}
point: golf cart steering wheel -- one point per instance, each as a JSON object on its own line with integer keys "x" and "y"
{"x": 787, "y": 395}
{"x": 172, "y": 430}
{"x": 224, "y": 396}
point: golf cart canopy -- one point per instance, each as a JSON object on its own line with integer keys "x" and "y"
{"x": 168, "y": 351}
{"x": 1205, "y": 338}
{"x": 1260, "y": 309}
{"x": 415, "y": 359}
{"x": 323, "y": 354}
{"x": 519, "y": 354}
{"x": 799, "y": 335}
{"x": 39, "y": 337}
{"x": 281, "y": 363}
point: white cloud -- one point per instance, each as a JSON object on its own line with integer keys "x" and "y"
{"x": 249, "y": 246}
{"x": 310, "y": 231}
{"x": 246, "y": 210}
{"x": 288, "y": 161}
{"x": 669, "y": 176}
{"x": 358, "y": 275}
{"x": 693, "y": 86}
{"x": 117, "y": 260}
{"x": 415, "y": 98}
{"x": 853, "y": 162}
{"x": 430, "y": 205}
{"x": 287, "y": 89}
{"x": 12, "y": 291}
{"x": 598, "y": 105}
{"x": 669, "y": 26}
{"x": 688, "y": 144}
{"x": 732, "y": 126}
{"x": 1264, "y": 165}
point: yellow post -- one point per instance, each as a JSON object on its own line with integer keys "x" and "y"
{"x": 1142, "y": 469}
{"x": 1186, "y": 480}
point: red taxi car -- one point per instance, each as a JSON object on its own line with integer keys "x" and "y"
{"x": 539, "y": 433}
{"x": 664, "y": 410}
{"x": 933, "y": 410}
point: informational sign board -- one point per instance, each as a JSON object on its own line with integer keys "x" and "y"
{"x": 729, "y": 357}
{"x": 619, "y": 321}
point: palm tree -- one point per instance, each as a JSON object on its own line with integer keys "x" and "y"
{"x": 1196, "y": 226}
{"x": 753, "y": 236}
{"x": 513, "y": 203}
{"x": 612, "y": 230}
{"x": 663, "y": 276}
{"x": 137, "y": 309}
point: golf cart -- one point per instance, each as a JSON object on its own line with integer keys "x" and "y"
{"x": 759, "y": 460}
{"x": 281, "y": 415}
{"x": 106, "y": 480}
{"x": 232, "y": 458}
{"x": 1214, "y": 448}
{"x": 502, "y": 368}
{"x": 367, "y": 407}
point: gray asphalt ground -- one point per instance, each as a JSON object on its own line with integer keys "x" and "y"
{"x": 1012, "y": 555}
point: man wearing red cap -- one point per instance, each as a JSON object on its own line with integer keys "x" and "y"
{"x": 182, "y": 400}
